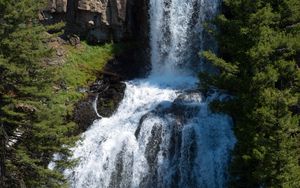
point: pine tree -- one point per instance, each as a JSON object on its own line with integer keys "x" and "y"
{"x": 35, "y": 126}
{"x": 258, "y": 64}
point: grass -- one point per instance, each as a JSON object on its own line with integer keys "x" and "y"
{"x": 79, "y": 71}
{"x": 83, "y": 63}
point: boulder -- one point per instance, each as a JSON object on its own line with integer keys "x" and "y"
{"x": 84, "y": 113}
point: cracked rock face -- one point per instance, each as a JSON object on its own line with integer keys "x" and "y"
{"x": 111, "y": 11}
{"x": 57, "y": 6}
{"x": 101, "y": 21}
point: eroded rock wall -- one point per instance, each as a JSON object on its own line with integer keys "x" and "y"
{"x": 58, "y": 6}
{"x": 54, "y": 12}
{"x": 102, "y": 21}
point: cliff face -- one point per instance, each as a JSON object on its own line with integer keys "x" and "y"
{"x": 100, "y": 21}
{"x": 106, "y": 20}
{"x": 54, "y": 12}
{"x": 57, "y": 6}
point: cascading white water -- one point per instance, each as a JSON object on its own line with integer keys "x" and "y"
{"x": 163, "y": 133}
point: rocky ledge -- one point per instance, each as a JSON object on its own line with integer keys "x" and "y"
{"x": 110, "y": 87}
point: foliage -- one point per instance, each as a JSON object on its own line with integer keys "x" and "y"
{"x": 259, "y": 65}
{"x": 34, "y": 127}
{"x": 36, "y": 100}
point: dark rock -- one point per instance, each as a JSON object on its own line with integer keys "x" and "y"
{"x": 153, "y": 145}
{"x": 99, "y": 86}
{"x": 151, "y": 153}
{"x": 109, "y": 98}
{"x": 54, "y": 12}
{"x": 138, "y": 130}
{"x": 186, "y": 105}
{"x": 84, "y": 113}
{"x": 122, "y": 175}
{"x": 130, "y": 64}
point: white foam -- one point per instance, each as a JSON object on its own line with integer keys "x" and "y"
{"x": 111, "y": 144}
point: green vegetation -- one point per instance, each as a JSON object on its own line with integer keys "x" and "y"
{"x": 36, "y": 99}
{"x": 259, "y": 66}
{"x": 82, "y": 66}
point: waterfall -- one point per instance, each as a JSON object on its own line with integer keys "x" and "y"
{"x": 163, "y": 133}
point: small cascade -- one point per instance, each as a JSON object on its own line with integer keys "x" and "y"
{"x": 95, "y": 102}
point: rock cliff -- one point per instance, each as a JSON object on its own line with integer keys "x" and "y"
{"x": 57, "y": 6}
{"x": 54, "y": 12}
{"x": 102, "y": 21}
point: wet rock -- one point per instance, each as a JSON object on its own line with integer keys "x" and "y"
{"x": 189, "y": 98}
{"x": 110, "y": 87}
{"x": 186, "y": 105}
{"x": 109, "y": 100}
{"x": 109, "y": 91}
{"x": 153, "y": 148}
{"x": 151, "y": 153}
{"x": 138, "y": 130}
{"x": 84, "y": 113}
{"x": 122, "y": 175}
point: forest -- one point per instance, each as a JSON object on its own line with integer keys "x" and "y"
{"x": 257, "y": 63}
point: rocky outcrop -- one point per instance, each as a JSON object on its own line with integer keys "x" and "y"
{"x": 100, "y": 21}
{"x": 54, "y": 12}
{"x": 57, "y": 6}
{"x": 104, "y": 95}
{"x": 105, "y": 20}
{"x": 110, "y": 91}
{"x": 84, "y": 113}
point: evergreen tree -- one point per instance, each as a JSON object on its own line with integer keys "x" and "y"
{"x": 33, "y": 127}
{"x": 259, "y": 66}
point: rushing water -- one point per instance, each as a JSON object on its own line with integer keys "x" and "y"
{"x": 163, "y": 133}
